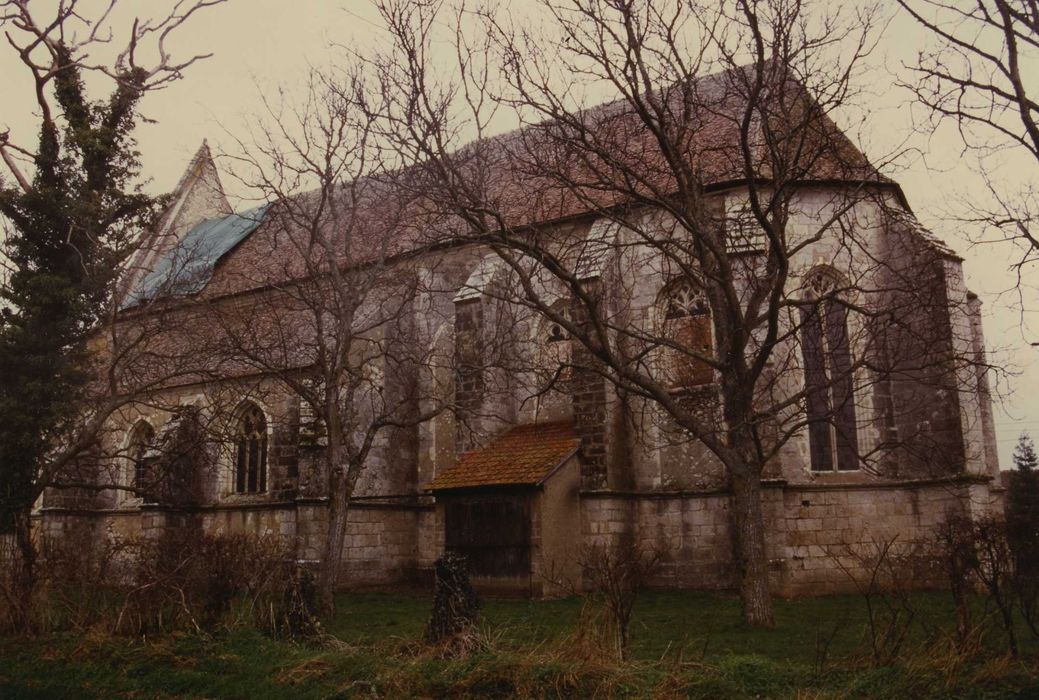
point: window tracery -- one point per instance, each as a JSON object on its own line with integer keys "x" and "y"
{"x": 554, "y": 351}
{"x": 829, "y": 381}
{"x": 687, "y": 325}
{"x": 251, "y": 450}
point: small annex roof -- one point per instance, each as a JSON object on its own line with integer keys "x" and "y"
{"x": 188, "y": 267}
{"x": 525, "y": 455}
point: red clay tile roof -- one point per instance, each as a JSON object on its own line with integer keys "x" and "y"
{"x": 524, "y": 455}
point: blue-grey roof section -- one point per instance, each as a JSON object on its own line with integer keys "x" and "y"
{"x": 189, "y": 266}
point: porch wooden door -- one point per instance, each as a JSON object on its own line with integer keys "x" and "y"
{"x": 492, "y": 532}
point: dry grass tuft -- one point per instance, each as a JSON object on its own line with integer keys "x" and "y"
{"x": 306, "y": 671}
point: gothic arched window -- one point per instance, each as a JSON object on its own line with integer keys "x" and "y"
{"x": 469, "y": 354}
{"x": 829, "y": 384}
{"x": 141, "y": 453}
{"x": 251, "y": 450}
{"x": 687, "y": 324}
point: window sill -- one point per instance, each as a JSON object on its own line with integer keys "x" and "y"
{"x": 851, "y": 476}
{"x": 258, "y": 497}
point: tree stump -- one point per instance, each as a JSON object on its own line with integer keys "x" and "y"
{"x": 455, "y": 605}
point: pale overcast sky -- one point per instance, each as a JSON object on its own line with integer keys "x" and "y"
{"x": 259, "y": 45}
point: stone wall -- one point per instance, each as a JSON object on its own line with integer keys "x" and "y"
{"x": 812, "y": 529}
{"x": 588, "y": 392}
{"x": 469, "y": 371}
{"x": 381, "y": 544}
{"x": 555, "y": 568}
{"x": 820, "y": 532}
{"x": 384, "y": 542}
{"x": 691, "y": 530}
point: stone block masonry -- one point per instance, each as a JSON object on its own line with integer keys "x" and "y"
{"x": 383, "y": 545}
{"x": 814, "y": 532}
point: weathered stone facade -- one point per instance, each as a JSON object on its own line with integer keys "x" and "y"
{"x": 636, "y": 478}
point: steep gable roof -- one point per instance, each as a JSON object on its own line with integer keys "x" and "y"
{"x": 199, "y": 195}
{"x": 537, "y": 175}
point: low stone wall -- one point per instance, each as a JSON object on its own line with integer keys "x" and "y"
{"x": 821, "y": 532}
{"x": 692, "y": 532}
{"x": 260, "y": 521}
{"x": 813, "y": 530}
{"x": 382, "y": 543}
{"x": 815, "y": 533}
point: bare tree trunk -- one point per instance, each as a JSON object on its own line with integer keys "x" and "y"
{"x": 960, "y": 584}
{"x": 328, "y": 576}
{"x": 341, "y": 481}
{"x": 962, "y": 601}
{"x": 623, "y": 639}
{"x": 25, "y": 576}
{"x": 752, "y": 564}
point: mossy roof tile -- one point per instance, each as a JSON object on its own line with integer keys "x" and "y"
{"x": 523, "y": 455}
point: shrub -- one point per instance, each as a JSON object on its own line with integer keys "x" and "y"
{"x": 188, "y": 579}
{"x": 290, "y": 615}
{"x": 612, "y": 577}
{"x": 183, "y": 579}
{"x": 885, "y": 572}
{"x": 980, "y": 554}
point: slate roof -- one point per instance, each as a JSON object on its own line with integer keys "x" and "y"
{"x": 189, "y": 266}
{"x": 926, "y": 235}
{"x": 524, "y": 455}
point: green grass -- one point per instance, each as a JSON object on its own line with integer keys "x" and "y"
{"x": 685, "y": 645}
{"x": 706, "y": 625}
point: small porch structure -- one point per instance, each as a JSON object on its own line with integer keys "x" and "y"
{"x": 512, "y": 508}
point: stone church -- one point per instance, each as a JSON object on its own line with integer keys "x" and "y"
{"x": 533, "y": 476}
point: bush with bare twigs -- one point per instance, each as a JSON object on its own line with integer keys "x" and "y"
{"x": 956, "y": 551}
{"x": 885, "y": 572}
{"x": 291, "y": 614}
{"x": 183, "y": 579}
{"x": 612, "y": 576}
{"x": 979, "y": 557}
{"x": 188, "y": 579}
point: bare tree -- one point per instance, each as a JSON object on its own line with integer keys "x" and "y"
{"x": 71, "y": 209}
{"x": 344, "y": 321}
{"x": 976, "y": 75}
{"x": 735, "y": 101}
